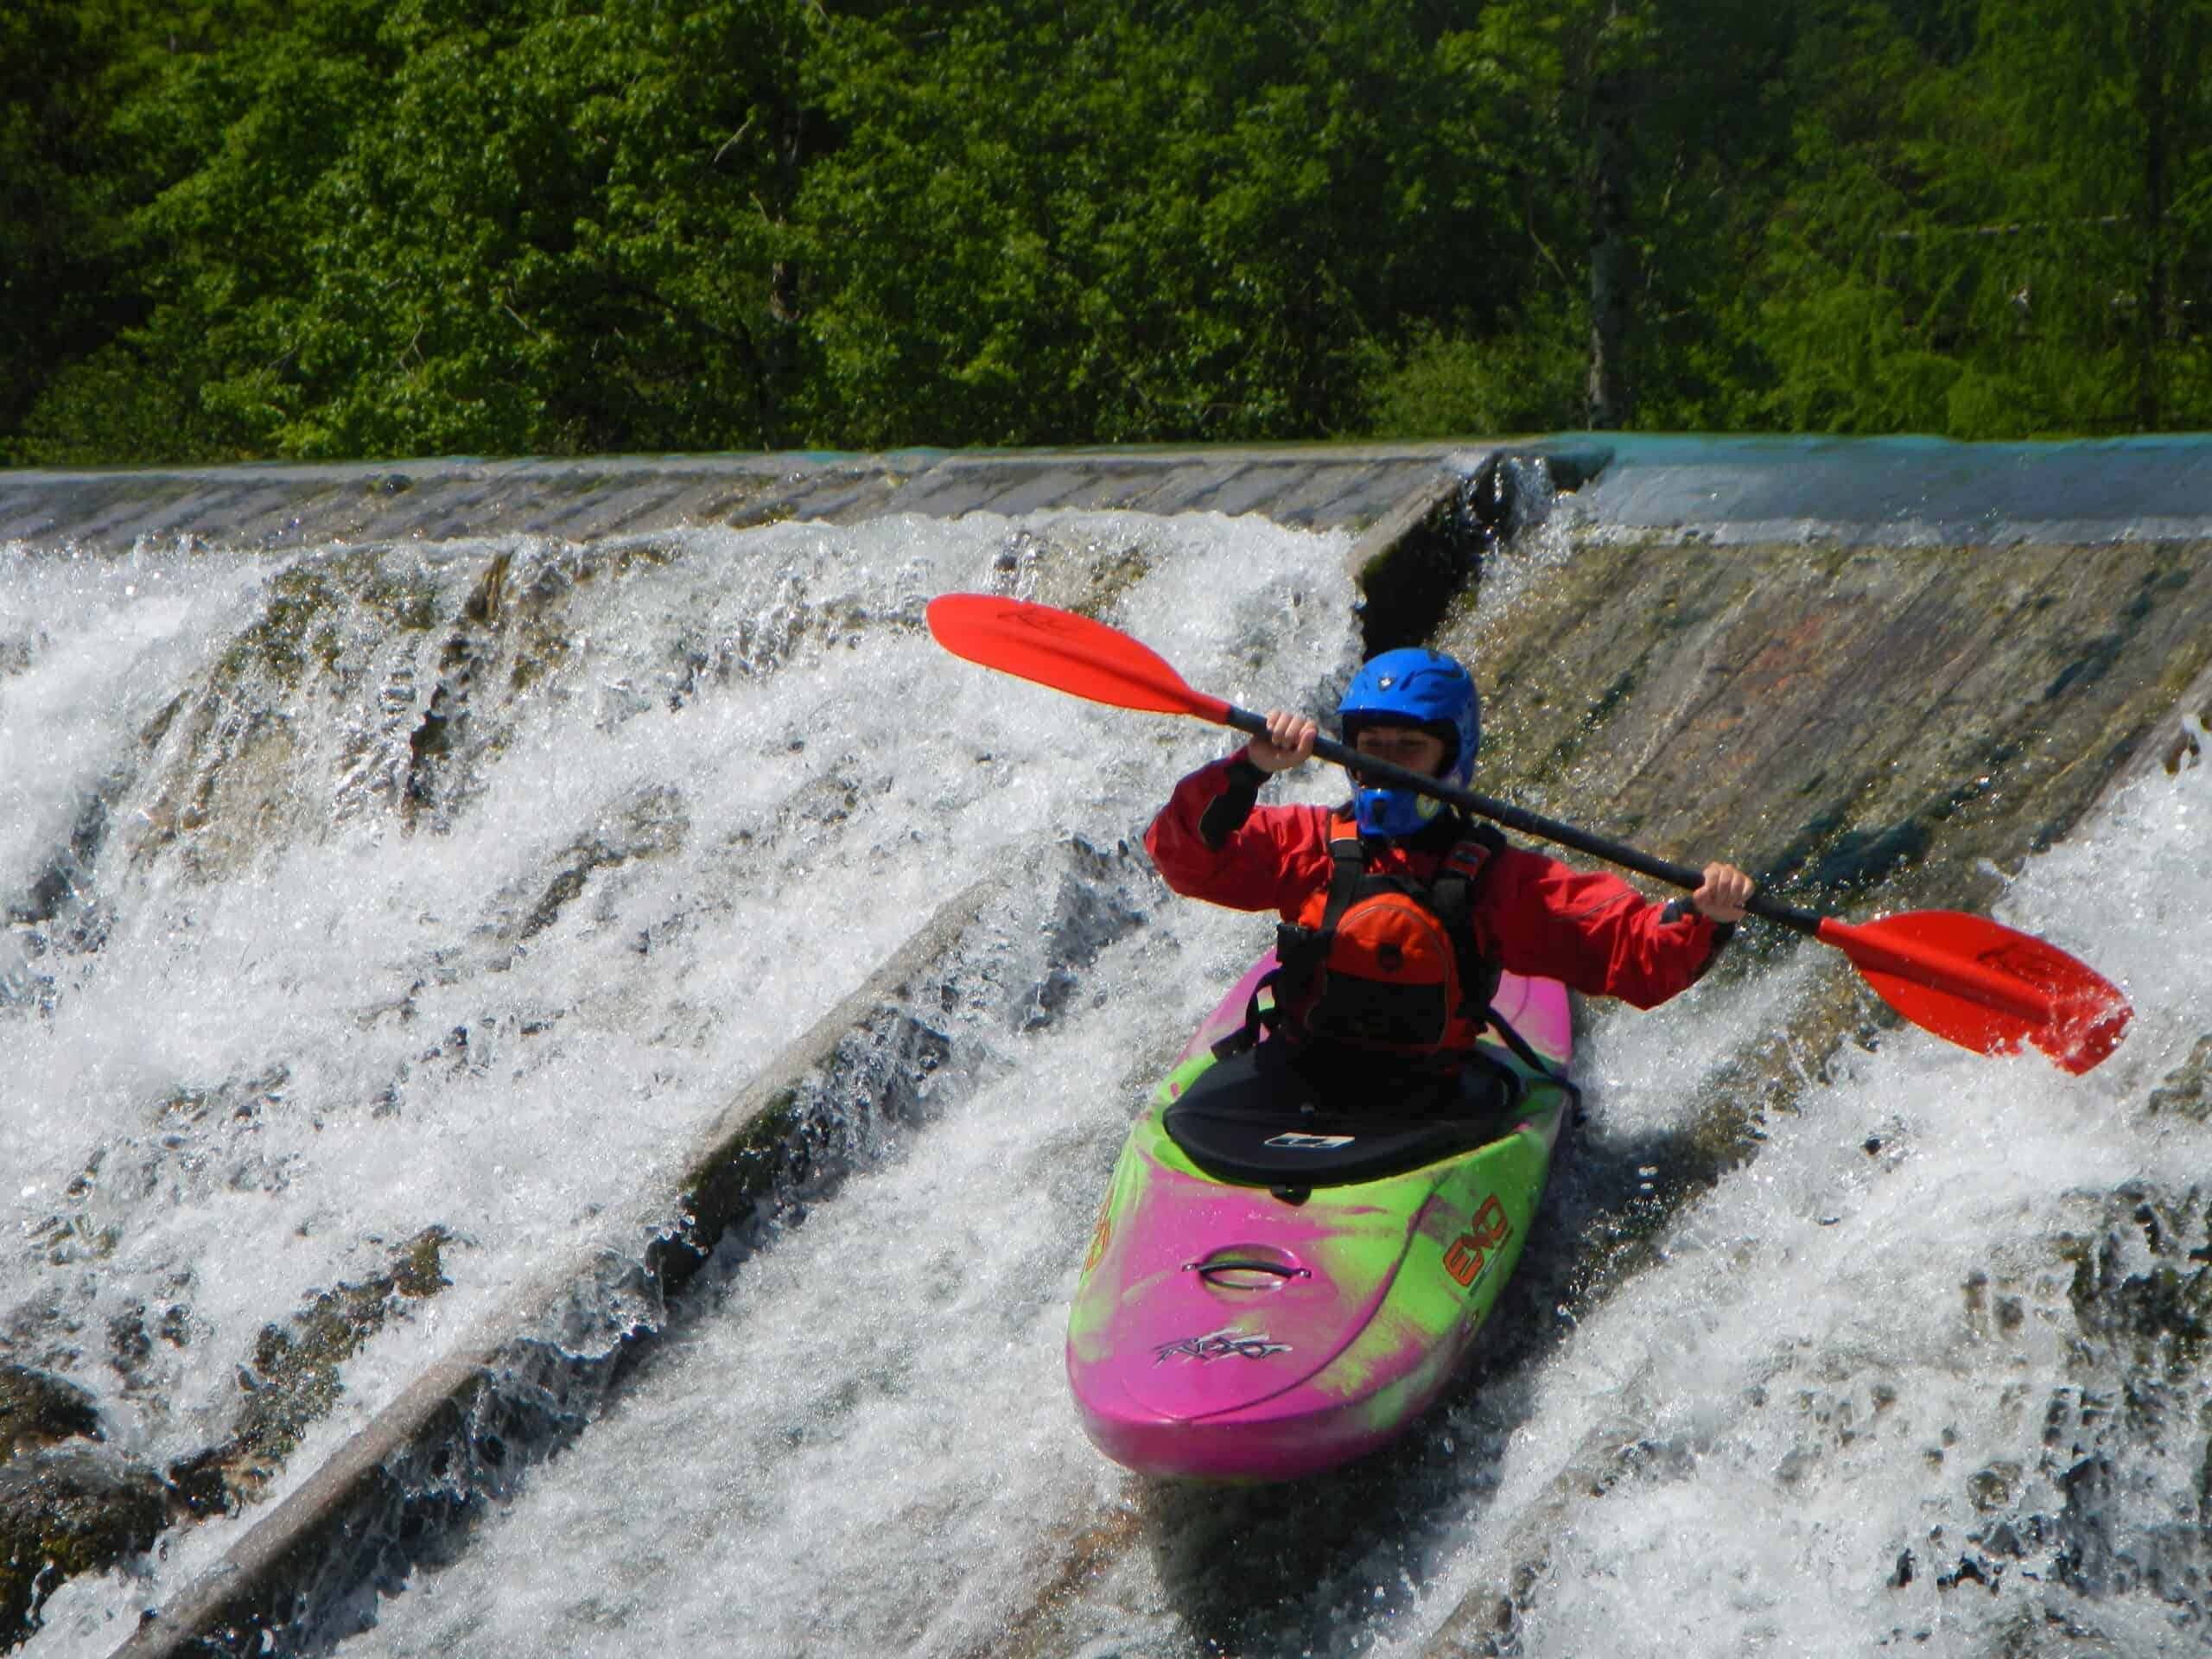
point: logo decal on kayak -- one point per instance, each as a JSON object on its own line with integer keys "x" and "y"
{"x": 1470, "y": 1252}
{"x": 1312, "y": 1143}
{"x": 1101, "y": 1236}
{"x": 1220, "y": 1345}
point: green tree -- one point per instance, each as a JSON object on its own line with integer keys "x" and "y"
{"x": 44, "y": 220}
{"x": 65, "y": 284}
{"x": 1832, "y": 300}
{"x": 218, "y": 144}
{"x": 378, "y": 227}
{"x": 565, "y": 234}
{"x": 1643, "y": 139}
{"x": 2098, "y": 164}
{"x": 1050, "y": 223}
{"x": 2004, "y": 242}
{"x": 457, "y": 225}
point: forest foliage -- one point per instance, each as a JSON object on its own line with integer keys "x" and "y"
{"x": 245, "y": 229}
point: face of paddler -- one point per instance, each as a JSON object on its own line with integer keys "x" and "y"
{"x": 1403, "y": 746}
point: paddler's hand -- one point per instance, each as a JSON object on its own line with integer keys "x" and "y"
{"x": 1726, "y": 892}
{"x": 1289, "y": 742}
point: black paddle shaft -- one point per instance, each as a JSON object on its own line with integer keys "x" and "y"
{"x": 1529, "y": 824}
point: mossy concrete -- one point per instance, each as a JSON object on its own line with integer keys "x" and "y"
{"x": 1868, "y": 728}
{"x": 68, "y": 1508}
{"x": 1864, "y": 730}
{"x": 294, "y": 1377}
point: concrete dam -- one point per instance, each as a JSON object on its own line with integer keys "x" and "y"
{"x": 561, "y": 1056}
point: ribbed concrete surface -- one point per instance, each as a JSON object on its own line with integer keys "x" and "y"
{"x": 281, "y": 506}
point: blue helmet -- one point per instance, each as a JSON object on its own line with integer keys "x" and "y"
{"x": 1423, "y": 689}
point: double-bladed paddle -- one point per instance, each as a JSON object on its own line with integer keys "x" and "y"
{"x": 1971, "y": 981}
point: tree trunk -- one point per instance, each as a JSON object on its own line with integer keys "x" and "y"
{"x": 1610, "y": 258}
{"x": 2153, "y": 103}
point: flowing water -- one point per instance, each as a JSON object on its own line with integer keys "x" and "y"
{"x": 446, "y": 892}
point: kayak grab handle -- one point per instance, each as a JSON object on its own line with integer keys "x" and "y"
{"x": 1203, "y": 1268}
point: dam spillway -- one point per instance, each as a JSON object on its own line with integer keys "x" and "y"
{"x": 408, "y": 866}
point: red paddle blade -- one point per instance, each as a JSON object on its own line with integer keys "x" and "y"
{"x": 1985, "y": 986}
{"x": 1068, "y": 652}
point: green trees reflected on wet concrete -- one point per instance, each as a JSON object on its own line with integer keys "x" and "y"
{"x": 340, "y": 228}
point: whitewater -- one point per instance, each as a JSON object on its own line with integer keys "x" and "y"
{"x": 296, "y": 986}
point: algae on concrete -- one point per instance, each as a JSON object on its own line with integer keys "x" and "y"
{"x": 1865, "y": 730}
{"x": 68, "y": 1511}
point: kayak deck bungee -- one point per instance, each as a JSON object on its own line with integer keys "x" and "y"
{"x": 1278, "y": 1283}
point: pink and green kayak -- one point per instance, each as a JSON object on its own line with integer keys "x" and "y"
{"x": 1280, "y": 1282}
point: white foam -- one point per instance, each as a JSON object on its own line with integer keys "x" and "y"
{"x": 1846, "y": 1348}
{"x": 867, "y": 1446}
{"x": 836, "y": 775}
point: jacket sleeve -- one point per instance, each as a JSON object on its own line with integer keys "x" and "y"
{"x": 1209, "y": 841}
{"x": 1592, "y": 930}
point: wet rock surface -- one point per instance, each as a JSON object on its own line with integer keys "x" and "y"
{"x": 294, "y": 1375}
{"x": 37, "y": 1410}
{"x": 1864, "y": 730}
{"x": 1867, "y": 730}
{"x": 67, "y": 1506}
{"x": 63, "y": 1513}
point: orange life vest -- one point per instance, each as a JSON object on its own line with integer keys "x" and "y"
{"x": 1387, "y": 963}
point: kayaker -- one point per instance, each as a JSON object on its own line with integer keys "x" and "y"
{"x": 1398, "y": 910}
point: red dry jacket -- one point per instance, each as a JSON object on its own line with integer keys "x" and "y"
{"x": 1533, "y": 915}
